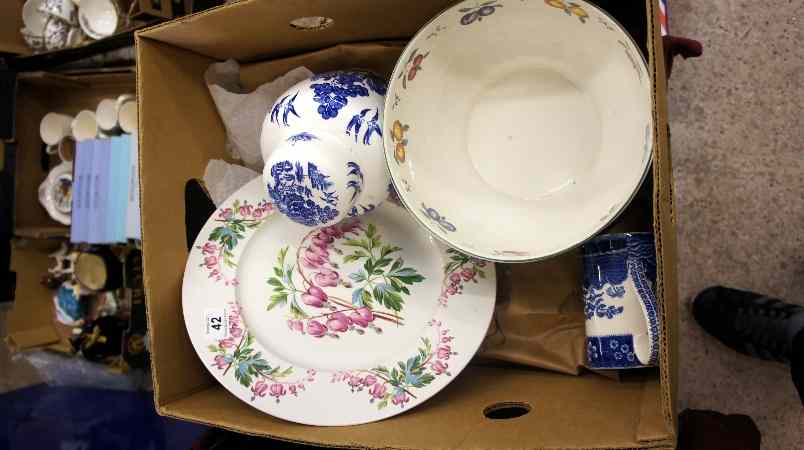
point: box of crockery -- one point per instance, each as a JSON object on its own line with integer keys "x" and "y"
{"x": 31, "y": 321}
{"x": 40, "y": 93}
{"x": 485, "y": 406}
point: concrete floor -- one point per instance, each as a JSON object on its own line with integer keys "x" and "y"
{"x": 736, "y": 122}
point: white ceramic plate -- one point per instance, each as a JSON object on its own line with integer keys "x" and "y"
{"x": 56, "y": 193}
{"x": 517, "y": 130}
{"x": 337, "y": 326}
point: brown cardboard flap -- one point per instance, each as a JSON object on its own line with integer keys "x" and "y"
{"x": 540, "y": 322}
{"x": 664, "y": 225}
{"x": 251, "y": 30}
{"x": 180, "y": 131}
{"x": 31, "y": 320}
{"x": 10, "y": 24}
{"x": 652, "y": 425}
{"x": 565, "y": 413}
{"x": 39, "y": 93}
{"x": 33, "y": 338}
{"x": 378, "y": 57}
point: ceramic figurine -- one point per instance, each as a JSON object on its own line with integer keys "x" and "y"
{"x": 322, "y": 143}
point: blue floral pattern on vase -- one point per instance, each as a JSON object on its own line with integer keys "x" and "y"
{"x": 611, "y": 352}
{"x": 301, "y": 137}
{"x": 356, "y": 183}
{"x": 285, "y": 108}
{"x": 334, "y": 89}
{"x": 372, "y": 125}
{"x": 361, "y": 209}
{"x": 304, "y": 198}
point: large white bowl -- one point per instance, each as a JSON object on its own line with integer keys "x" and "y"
{"x": 517, "y": 130}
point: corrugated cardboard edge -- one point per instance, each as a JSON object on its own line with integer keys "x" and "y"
{"x": 664, "y": 224}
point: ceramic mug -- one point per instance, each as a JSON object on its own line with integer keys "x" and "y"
{"x": 622, "y": 320}
{"x": 33, "y": 18}
{"x": 65, "y": 150}
{"x": 99, "y": 18}
{"x": 127, "y": 116}
{"x": 322, "y": 143}
{"x": 108, "y": 113}
{"x": 84, "y": 126}
{"x": 54, "y": 127}
{"x": 63, "y": 9}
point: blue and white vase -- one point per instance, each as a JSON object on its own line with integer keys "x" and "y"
{"x": 622, "y": 319}
{"x": 322, "y": 143}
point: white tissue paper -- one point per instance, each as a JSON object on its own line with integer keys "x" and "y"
{"x": 223, "y": 179}
{"x": 243, "y": 112}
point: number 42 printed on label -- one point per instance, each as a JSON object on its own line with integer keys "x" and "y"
{"x": 216, "y": 323}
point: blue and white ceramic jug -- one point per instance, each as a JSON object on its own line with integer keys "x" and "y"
{"x": 322, "y": 146}
{"x": 622, "y": 316}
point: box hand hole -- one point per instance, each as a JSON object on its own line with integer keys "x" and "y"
{"x": 506, "y": 410}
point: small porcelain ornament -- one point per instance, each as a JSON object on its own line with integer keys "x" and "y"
{"x": 322, "y": 143}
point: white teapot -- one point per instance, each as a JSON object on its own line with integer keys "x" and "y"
{"x": 322, "y": 146}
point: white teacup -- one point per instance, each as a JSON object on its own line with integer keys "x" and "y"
{"x": 127, "y": 117}
{"x": 108, "y": 113}
{"x": 54, "y": 127}
{"x": 63, "y": 9}
{"x": 322, "y": 146}
{"x": 33, "y": 19}
{"x": 622, "y": 319}
{"x": 65, "y": 149}
{"x": 84, "y": 126}
{"x": 99, "y": 18}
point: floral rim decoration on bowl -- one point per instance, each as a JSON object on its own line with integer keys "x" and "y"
{"x": 508, "y": 141}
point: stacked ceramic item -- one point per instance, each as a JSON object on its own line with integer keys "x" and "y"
{"x": 503, "y": 141}
{"x": 60, "y": 133}
{"x": 57, "y": 24}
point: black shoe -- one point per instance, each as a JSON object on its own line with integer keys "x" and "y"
{"x": 748, "y": 322}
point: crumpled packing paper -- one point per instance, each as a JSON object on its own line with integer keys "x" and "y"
{"x": 243, "y": 112}
{"x": 223, "y": 179}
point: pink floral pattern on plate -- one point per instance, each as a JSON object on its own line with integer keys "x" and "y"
{"x": 236, "y": 354}
{"x": 459, "y": 269}
{"x": 234, "y": 221}
{"x": 379, "y": 286}
{"x": 399, "y": 383}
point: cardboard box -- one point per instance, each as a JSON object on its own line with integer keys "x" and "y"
{"x": 37, "y": 94}
{"x": 10, "y": 24}
{"x": 31, "y": 321}
{"x": 180, "y": 131}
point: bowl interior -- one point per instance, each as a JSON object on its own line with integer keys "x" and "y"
{"x": 518, "y": 130}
